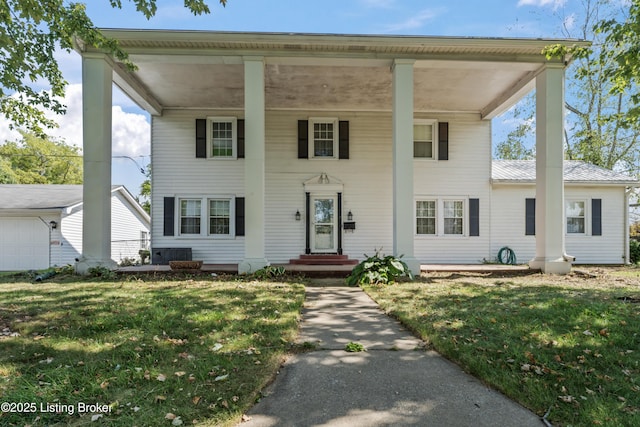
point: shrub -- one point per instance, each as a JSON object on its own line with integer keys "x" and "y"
{"x": 634, "y": 251}
{"x": 378, "y": 269}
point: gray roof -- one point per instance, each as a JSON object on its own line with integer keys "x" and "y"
{"x": 575, "y": 171}
{"x": 40, "y": 196}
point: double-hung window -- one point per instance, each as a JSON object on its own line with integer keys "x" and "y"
{"x": 426, "y": 217}
{"x": 453, "y": 214}
{"x": 323, "y": 137}
{"x": 219, "y": 217}
{"x": 424, "y": 136}
{"x": 190, "y": 215}
{"x": 207, "y": 216}
{"x": 222, "y": 137}
{"x": 576, "y": 216}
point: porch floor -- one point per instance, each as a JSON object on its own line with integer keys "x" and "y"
{"x": 333, "y": 270}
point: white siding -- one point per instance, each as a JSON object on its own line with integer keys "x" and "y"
{"x": 508, "y": 224}
{"x": 126, "y": 227}
{"x": 71, "y": 236}
{"x": 366, "y": 175}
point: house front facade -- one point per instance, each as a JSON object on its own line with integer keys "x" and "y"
{"x": 266, "y": 147}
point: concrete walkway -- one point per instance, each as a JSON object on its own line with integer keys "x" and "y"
{"x": 395, "y": 382}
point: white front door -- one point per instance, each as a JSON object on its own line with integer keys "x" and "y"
{"x": 323, "y": 224}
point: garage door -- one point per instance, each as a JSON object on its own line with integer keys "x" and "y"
{"x": 24, "y": 244}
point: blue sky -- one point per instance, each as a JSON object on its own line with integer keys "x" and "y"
{"x": 481, "y": 18}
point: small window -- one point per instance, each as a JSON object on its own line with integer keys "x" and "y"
{"x": 223, "y": 137}
{"x": 423, "y": 139}
{"x": 144, "y": 240}
{"x": 426, "y": 217}
{"x": 190, "y": 214}
{"x": 323, "y": 138}
{"x": 575, "y": 212}
{"x": 453, "y": 214}
{"x": 219, "y": 217}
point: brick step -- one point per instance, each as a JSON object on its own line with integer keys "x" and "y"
{"x": 323, "y": 260}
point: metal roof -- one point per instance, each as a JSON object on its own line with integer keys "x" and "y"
{"x": 575, "y": 171}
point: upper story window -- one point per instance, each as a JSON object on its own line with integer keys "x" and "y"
{"x": 424, "y": 136}
{"x": 323, "y": 137}
{"x": 223, "y": 138}
{"x": 575, "y": 212}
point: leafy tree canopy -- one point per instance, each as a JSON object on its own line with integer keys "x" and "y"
{"x": 35, "y": 160}
{"x": 30, "y": 33}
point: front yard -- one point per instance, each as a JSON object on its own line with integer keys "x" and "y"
{"x": 152, "y": 353}
{"x": 564, "y": 346}
{"x": 198, "y": 350}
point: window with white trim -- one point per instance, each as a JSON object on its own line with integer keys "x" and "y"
{"x": 220, "y": 217}
{"x": 426, "y": 217}
{"x": 441, "y": 217}
{"x": 575, "y": 211}
{"x": 223, "y": 137}
{"x": 424, "y": 137}
{"x": 323, "y": 137}
{"x": 144, "y": 240}
{"x": 453, "y": 215}
{"x": 218, "y": 214}
{"x": 190, "y": 215}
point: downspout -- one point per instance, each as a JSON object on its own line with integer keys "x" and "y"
{"x": 627, "y": 255}
{"x": 49, "y": 241}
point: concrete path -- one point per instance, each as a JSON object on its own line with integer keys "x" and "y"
{"x": 395, "y": 382}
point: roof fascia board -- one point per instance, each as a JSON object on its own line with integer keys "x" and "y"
{"x": 136, "y": 91}
{"x": 510, "y": 97}
{"x": 132, "y": 201}
{"x": 528, "y": 182}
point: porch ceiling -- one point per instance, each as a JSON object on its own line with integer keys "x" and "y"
{"x": 325, "y": 72}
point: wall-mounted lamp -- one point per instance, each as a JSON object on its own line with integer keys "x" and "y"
{"x": 53, "y": 225}
{"x": 349, "y": 216}
{"x": 297, "y": 215}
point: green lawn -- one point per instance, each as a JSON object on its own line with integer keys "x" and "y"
{"x": 566, "y": 346}
{"x": 160, "y": 352}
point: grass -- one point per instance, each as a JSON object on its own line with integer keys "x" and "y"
{"x": 568, "y": 347}
{"x": 157, "y": 352}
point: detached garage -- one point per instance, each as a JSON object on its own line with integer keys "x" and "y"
{"x": 41, "y": 226}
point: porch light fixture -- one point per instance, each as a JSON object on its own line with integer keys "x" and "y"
{"x": 349, "y": 216}
{"x": 53, "y": 225}
{"x": 297, "y": 215}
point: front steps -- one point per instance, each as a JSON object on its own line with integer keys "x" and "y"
{"x": 323, "y": 259}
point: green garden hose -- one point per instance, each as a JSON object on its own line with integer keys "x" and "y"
{"x": 506, "y": 255}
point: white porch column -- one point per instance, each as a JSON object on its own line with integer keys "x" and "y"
{"x": 96, "y": 134}
{"x": 550, "y": 255}
{"x": 254, "y": 169}
{"x": 403, "y": 209}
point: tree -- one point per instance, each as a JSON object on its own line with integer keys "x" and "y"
{"x": 145, "y": 191}
{"x": 600, "y": 128}
{"x": 30, "y": 33}
{"x": 35, "y": 160}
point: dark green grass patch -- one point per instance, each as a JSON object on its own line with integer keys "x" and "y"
{"x": 199, "y": 350}
{"x": 566, "y": 346}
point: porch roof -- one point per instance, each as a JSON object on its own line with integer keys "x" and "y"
{"x": 204, "y": 70}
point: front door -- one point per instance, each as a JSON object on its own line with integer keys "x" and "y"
{"x": 323, "y": 226}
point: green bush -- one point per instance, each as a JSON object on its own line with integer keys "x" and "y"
{"x": 378, "y": 269}
{"x": 634, "y": 251}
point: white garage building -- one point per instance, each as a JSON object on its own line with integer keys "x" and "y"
{"x": 41, "y": 225}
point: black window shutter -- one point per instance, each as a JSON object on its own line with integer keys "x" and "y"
{"x": 303, "y": 139}
{"x": 530, "y": 217}
{"x": 474, "y": 217}
{"x": 443, "y": 141}
{"x": 169, "y": 212}
{"x": 239, "y": 216}
{"x": 201, "y": 138}
{"x": 343, "y": 139}
{"x": 240, "y": 138}
{"x": 596, "y": 217}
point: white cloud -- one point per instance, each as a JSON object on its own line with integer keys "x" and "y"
{"x": 416, "y": 21}
{"x": 555, "y": 4}
{"x": 130, "y": 133}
